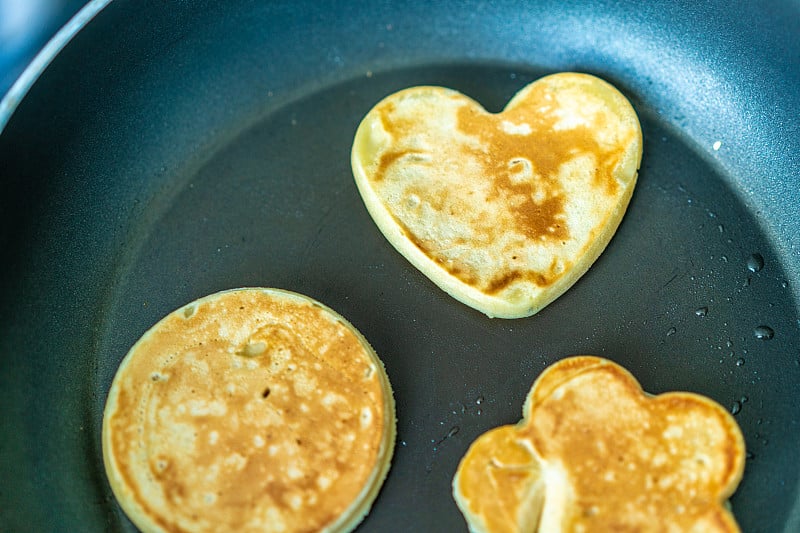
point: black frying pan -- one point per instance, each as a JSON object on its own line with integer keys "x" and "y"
{"x": 173, "y": 149}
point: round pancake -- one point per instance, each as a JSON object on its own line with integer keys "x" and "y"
{"x": 249, "y": 410}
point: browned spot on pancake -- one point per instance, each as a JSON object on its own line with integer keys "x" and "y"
{"x": 502, "y": 281}
{"x": 545, "y": 148}
{"x": 396, "y": 126}
{"x": 389, "y": 157}
{"x": 536, "y": 220}
{"x": 395, "y": 123}
{"x": 385, "y": 110}
{"x": 464, "y": 274}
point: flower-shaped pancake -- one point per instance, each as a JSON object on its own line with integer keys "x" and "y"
{"x": 608, "y": 457}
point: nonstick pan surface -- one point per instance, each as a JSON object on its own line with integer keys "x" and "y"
{"x": 174, "y": 149}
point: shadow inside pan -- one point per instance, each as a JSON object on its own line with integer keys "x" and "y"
{"x": 689, "y": 295}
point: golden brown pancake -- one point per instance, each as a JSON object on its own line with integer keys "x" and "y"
{"x": 605, "y": 456}
{"x": 503, "y": 211}
{"x": 499, "y": 485}
{"x": 249, "y": 410}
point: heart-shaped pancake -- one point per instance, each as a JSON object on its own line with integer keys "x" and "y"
{"x": 593, "y": 452}
{"x": 503, "y": 211}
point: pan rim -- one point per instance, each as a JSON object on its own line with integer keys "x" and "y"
{"x": 19, "y": 89}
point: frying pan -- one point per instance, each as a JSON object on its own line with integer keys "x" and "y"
{"x": 160, "y": 151}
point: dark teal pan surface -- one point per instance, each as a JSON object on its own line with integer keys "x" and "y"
{"x": 174, "y": 149}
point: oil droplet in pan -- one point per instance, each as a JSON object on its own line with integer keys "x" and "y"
{"x": 755, "y": 263}
{"x": 763, "y": 333}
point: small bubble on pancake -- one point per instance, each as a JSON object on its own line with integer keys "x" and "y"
{"x": 254, "y": 349}
{"x": 189, "y": 310}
